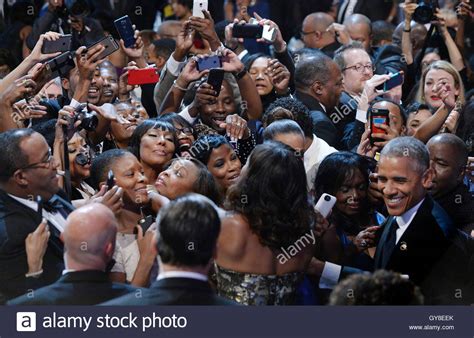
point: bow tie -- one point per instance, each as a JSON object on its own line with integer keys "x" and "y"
{"x": 53, "y": 205}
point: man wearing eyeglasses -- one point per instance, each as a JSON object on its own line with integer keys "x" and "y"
{"x": 359, "y": 90}
{"x": 315, "y": 35}
{"x": 27, "y": 171}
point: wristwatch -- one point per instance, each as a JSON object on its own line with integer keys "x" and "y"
{"x": 240, "y": 74}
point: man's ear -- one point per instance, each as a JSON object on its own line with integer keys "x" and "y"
{"x": 427, "y": 178}
{"x": 160, "y": 62}
{"x": 65, "y": 83}
{"x": 318, "y": 35}
{"x": 317, "y": 88}
{"x": 19, "y": 177}
{"x": 404, "y": 130}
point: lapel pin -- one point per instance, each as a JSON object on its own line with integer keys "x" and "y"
{"x": 403, "y": 246}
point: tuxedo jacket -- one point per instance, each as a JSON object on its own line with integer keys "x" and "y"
{"x": 87, "y": 287}
{"x": 433, "y": 253}
{"x": 174, "y": 291}
{"x": 16, "y": 222}
{"x": 323, "y": 127}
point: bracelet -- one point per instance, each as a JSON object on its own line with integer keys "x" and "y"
{"x": 240, "y": 75}
{"x": 179, "y": 87}
{"x": 34, "y": 274}
{"x": 283, "y": 49}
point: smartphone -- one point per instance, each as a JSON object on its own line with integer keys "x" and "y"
{"x": 247, "y": 31}
{"x": 125, "y": 29}
{"x": 138, "y": 77}
{"x": 110, "y": 180}
{"x": 395, "y": 80}
{"x": 378, "y": 116}
{"x": 325, "y": 204}
{"x": 198, "y": 7}
{"x": 146, "y": 222}
{"x": 209, "y": 62}
{"x": 63, "y": 44}
{"x": 216, "y": 76}
{"x": 110, "y": 46}
{"x": 60, "y": 66}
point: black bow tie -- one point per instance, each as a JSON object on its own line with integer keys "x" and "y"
{"x": 53, "y": 205}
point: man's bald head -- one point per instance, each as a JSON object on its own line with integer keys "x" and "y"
{"x": 169, "y": 29}
{"x": 457, "y": 148}
{"x": 360, "y": 29}
{"x": 314, "y": 27}
{"x": 417, "y": 35}
{"x": 89, "y": 237}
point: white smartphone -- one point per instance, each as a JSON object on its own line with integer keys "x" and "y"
{"x": 325, "y": 204}
{"x": 269, "y": 33}
{"x": 198, "y": 7}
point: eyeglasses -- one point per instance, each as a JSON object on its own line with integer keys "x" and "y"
{"x": 360, "y": 68}
{"x": 185, "y": 130}
{"x": 37, "y": 165}
{"x": 307, "y": 33}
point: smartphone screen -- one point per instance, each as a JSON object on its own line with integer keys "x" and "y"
{"x": 110, "y": 180}
{"x": 209, "y": 63}
{"x": 216, "y": 76}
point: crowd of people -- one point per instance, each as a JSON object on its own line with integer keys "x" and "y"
{"x": 184, "y": 192}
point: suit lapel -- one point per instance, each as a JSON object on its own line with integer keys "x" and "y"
{"x": 382, "y": 241}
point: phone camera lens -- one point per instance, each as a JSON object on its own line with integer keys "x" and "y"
{"x": 327, "y": 198}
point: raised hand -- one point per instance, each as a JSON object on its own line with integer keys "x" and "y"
{"x": 280, "y": 76}
{"x": 235, "y": 127}
{"x": 230, "y": 61}
{"x": 35, "y": 245}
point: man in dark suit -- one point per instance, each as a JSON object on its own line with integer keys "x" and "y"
{"x": 315, "y": 35}
{"x": 318, "y": 82}
{"x": 27, "y": 171}
{"x": 187, "y": 235}
{"x": 418, "y": 239}
{"x": 89, "y": 243}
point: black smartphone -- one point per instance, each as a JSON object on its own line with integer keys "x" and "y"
{"x": 209, "y": 62}
{"x": 216, "y": 76}
{"x": 125, "y": 29}
{"x": 110, "y": 180}
{"x": 146, "y": 222}
{"x": 60, "y": 66}
{"x": 110, "y": 46}
{"x": 378, "y": 116}
{"x": 247, "y": 31}
{"x": 63, "y": 44}
{"x": 395, "y": 80}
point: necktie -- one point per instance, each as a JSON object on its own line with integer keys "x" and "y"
{"x": 54, "y": 205}
{"x": 390, "y": 243}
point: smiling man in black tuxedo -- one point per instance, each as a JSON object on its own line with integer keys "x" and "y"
{"x": 27, "y": 171}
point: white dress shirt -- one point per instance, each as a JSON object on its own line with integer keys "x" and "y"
{"x": 405, "y": 220}
{"x": 182, "y": 274}
{"x": 56, "y": 219}
{"x": 313, "y": 156}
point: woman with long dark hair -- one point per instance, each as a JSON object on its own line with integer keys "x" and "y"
{"x": 265, "y": 243}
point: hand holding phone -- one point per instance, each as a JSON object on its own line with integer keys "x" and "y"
{"x": 394, "y": 81}
{"x": 325, "y": 204}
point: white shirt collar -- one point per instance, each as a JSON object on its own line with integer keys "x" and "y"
{"x": 182, "y": 274}
{"x": 405, "y": 220}
{"x": 322, "y": 106}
